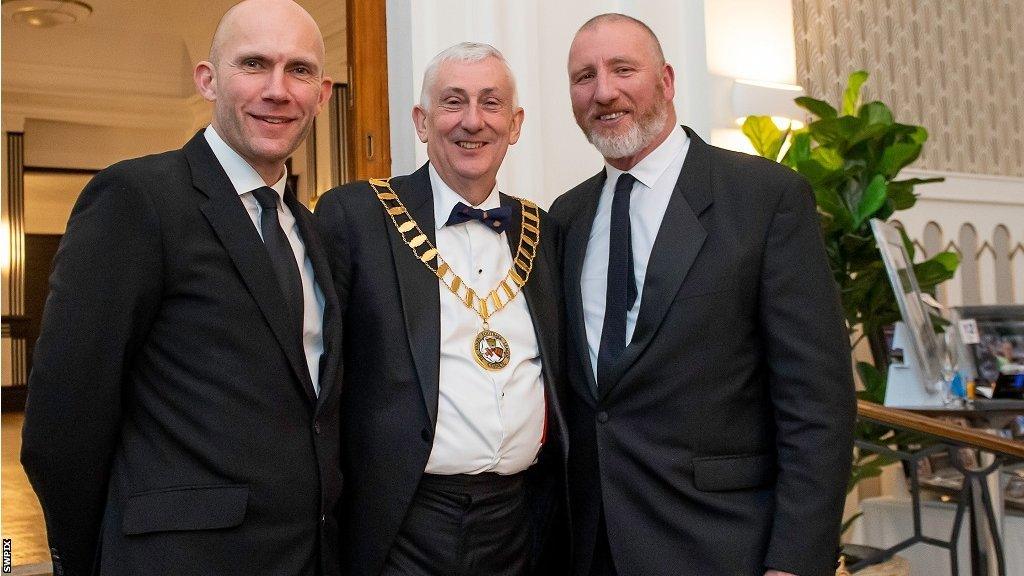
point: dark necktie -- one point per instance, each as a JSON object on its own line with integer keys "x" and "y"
{"x": 496, "y": 218}
{"x": 281, "y": 256}
{"x": 622, "y": 291}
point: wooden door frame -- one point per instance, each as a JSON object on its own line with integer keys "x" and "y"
{"x": 369, "y": 129}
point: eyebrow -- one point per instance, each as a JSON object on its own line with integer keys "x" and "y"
{"x": 489, "y": 91}
{"x": 311, "y": 64}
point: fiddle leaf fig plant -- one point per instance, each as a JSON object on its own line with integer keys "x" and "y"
{"x": 852, "y": 157}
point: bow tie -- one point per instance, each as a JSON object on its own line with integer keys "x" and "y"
{"x": 496, "y": 218}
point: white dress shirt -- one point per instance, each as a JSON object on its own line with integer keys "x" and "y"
{"x": 656, "y": 177}
{"x": 245, "y": 179}
{"x": 487, "y": 421}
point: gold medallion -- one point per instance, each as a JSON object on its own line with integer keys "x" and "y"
{"x": 491, "y": 350}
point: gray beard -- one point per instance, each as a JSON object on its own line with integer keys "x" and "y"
{"x": 638, "y": 137}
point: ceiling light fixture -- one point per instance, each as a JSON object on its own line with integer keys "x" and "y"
{"x": 45, "y": 13}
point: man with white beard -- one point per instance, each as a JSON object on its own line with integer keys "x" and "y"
{"x": 711, "y": 401}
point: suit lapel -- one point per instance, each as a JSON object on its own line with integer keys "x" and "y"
{"x": 576, "y": 240}
{"x": 419, "y": 289}
{"x": 541, "y": 297}
{"x": 676, "y": 246}
{"x": 537, "y": 292}
{"x": 232, "y": 224}
{"x": 318, "y": 257}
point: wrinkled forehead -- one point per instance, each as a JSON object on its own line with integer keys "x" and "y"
{"x": 483, "y": 76}
{"x": 612, "y": 42}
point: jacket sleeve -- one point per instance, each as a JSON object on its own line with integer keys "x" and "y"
{"x": 810, "y": 386}
{"x": 104, "y": 290}
{"x": 333, "y": 227}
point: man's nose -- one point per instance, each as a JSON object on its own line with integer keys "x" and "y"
{"x": 607, "y": 89}
{"x": 275, "y": 88}
{"x": 472, "y": 121}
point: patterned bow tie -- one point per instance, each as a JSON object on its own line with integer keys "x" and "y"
{"x": 496, "y": 218}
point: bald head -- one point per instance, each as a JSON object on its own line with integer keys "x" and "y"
{"x": 240, "y": 18}
{"x": 615, "y": 18}
{"x": 265, "y": 78}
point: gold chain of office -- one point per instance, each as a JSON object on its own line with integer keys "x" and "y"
{"x": 490, "y": 349}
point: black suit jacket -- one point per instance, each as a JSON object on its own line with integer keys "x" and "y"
{"x": 723, "y": 445}
{"x": 171, "y": 424}
{"x": 391, "y": 306}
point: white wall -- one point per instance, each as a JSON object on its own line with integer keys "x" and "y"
{"x": 552, "y": 154}
{"x": 52, "y": 144}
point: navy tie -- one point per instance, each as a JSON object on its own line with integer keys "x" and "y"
{"x": 496, "y": 218}
{"x": 622, "y": 291}
{"x": 281, "y": 256}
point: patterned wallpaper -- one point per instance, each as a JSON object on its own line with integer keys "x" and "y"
{"x": 955, "y": 67}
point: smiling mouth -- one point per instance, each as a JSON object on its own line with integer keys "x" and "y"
{"x": 272, "y": 119}
{"x": 611, "y": 116}
{"x": 469, "y": 145}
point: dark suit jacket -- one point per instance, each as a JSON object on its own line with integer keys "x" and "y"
{"x": 723, "y": 445}
{"x": 391, "y": 305}
{"x": 171, "y": 425}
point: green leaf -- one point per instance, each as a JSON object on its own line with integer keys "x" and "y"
{"x": 901, "y": 193}
{"x": 819, "y": 108}
{"x": 898, "y": 155}
{"x": 817, "y": 174}
{"x": 851, "y": 96}
{"x": 835, "y": 132}
{"x": 908, "y": 244}
{"x": 918, "y": 135}
{"x": 829, "y": 158}
{"x": 869, "y": 133}
{"x": 873, "y": 381}
{"x": 916, "y": 181}
{"x": 950, "y": 260}
{"x": 873, "y": 198}
{"x": 876, "y": 113}
{"x": 936, "y": 270}
{"x": 765, "y": 136}
{"x": 829, "y": 202}
{"x": 799, "y": 149}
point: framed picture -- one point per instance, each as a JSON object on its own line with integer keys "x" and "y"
{"x": 923, "y": 342}
{"x": 998, "y": 340}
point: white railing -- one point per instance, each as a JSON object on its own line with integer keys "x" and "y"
{"x": 982, "y": 219}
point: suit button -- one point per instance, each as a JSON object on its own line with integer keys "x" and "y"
{"x": 323, "y": 519}
{"x": 425, "y": 434}
{"x": 316, "y": 427}
{"x": 602, "y": 417}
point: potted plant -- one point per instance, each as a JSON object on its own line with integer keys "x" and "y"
{"x": 852, "y": 157}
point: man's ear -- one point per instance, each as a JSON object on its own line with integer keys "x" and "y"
{"x": 325, "y": 93}
{"x": 419, "y": 120}
{"x": 206, "y": 80}
{"x": 668, "y": 81}
{"x": 517, "y": 125}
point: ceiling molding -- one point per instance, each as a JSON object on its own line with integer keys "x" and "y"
{"x": 120, "y": 110}
{"x": 76, "y": 81}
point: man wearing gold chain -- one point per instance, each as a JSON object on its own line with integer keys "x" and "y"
{"x": 454, "y": 447}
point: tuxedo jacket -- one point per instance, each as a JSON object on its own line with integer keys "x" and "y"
{"x": 722, "y": 444}
{"x": 171, "y": 425}
{"x": 391, "y": 343}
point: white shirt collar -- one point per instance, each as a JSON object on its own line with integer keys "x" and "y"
{"x": 650, "y": 169}
{"x": 445, "y": 199}
{"x": 243, "y": 176}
